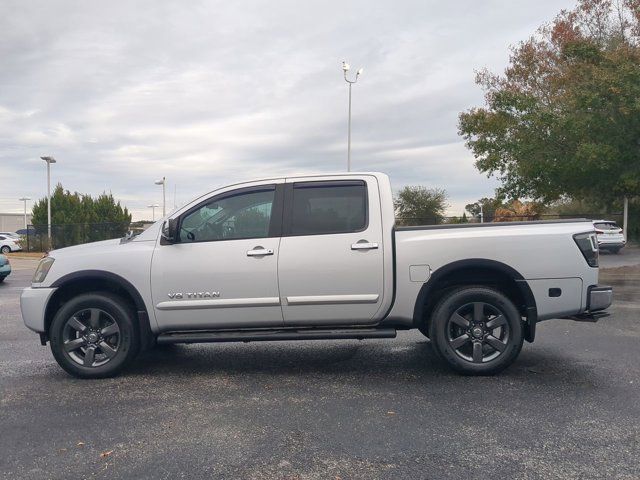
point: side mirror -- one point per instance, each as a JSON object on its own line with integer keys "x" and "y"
{"x": 169, "y": 231}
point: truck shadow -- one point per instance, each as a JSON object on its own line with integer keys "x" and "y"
{"x": 410, "y": 360}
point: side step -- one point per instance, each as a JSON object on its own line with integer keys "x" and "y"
{"x": 272, "y": 335}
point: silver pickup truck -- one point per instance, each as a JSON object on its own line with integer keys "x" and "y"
{"x": 314, "y": 257}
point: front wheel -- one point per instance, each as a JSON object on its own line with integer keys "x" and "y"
{"x": 477, "y": 330}
{"x": 5, "y": 249}
{"x": 93, "y": 335}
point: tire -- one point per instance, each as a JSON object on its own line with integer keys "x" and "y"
{"x": 477, "y": 330}
{"x": 5, "y": 249}
{"x": 2, "y": 279}
{"x": 93, "y": 335}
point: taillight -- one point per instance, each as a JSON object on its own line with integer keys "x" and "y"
{"x": 599, "y": 231}
{"x": 588, "y": 245}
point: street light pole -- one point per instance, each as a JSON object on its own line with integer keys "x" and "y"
{"x": 49, "y": 161}
{"x": 345, "y": 69}
{"x": 349, "y": 134}
{"x": 25, "y": 199}
{"x": 153, "y": 211}
{"x": 163, "y": 182}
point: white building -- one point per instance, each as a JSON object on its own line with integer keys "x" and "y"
{"x": 10, "y": 222}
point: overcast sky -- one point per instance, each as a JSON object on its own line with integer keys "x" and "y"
{"x": 207, "y": 93}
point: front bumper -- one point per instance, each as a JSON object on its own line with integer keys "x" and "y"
{"x": 33, "y": 304}
{"x": 599, "y": 298}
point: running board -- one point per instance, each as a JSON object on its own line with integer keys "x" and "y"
{"x": 273, "y": 335}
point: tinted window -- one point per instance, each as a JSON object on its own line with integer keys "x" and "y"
{"x": 2, "y": 238}
{"x": 323, "y": 207}
{"x": 243, "y": 215}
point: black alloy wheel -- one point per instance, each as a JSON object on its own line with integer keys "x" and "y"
{"x": 477, "y": 330}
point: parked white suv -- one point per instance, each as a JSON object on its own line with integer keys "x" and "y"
{"x": 314, "y": 257}
{"x": 610, "y": 236}
{"x": 9, "y": 244}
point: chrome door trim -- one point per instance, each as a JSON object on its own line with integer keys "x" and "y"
{"x": 332, "y": 299}
{"x": 219, "y": 303}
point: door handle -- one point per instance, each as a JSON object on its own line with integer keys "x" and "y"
{"x": 364, "y": 246}
{"x": 259, "y": 252}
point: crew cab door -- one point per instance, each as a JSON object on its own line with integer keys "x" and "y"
{"x": 330, "y": 267}
{"x": 221, "y": 272}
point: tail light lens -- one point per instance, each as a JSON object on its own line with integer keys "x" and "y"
{"x": 588, "y": 245}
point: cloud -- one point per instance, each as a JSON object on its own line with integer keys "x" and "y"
{"x": 208, "y": 93}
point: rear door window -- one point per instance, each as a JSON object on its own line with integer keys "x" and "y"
{"x": 319, "y": 208}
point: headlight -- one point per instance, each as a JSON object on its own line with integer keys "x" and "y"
{"x": 43, "y": 268}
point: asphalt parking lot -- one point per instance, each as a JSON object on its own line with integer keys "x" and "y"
{"x": 568, "y": 408}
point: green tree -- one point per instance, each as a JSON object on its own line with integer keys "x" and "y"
{"x": 564, "y": 118}
{"x": 570, "y": 207}
{"x": 78, "y": 218}
{"x": 489, "y": 207}
{"x": 416, "y": 205}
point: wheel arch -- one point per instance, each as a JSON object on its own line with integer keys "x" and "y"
{"x": 476, "y": 271}
{"x": 85, "y": 281}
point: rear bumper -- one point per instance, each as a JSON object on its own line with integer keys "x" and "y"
{"x": 605, "y": 243}
{"x": 599, "y": 298}
{"x": 611, "y": 246}
{"x": 33, "y": 303}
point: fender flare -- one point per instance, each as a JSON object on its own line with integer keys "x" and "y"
{"x": 146, "y": 334}
{"x": 531, "y": 312}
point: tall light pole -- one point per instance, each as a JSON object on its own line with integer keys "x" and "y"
{"x": 153, "y": 210}
{"x": 49, "y": 161}
{"x": 345, "y": 69}
{"x": 25, "y": 200}
{"x": 163, "y": 182}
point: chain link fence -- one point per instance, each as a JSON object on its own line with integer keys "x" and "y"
{"x": 65, "y": 235}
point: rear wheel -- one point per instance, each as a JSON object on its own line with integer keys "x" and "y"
{"x": 93, "y": 335}
{"x": 477, "y": 330}
{"x": 5, "y": 249}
